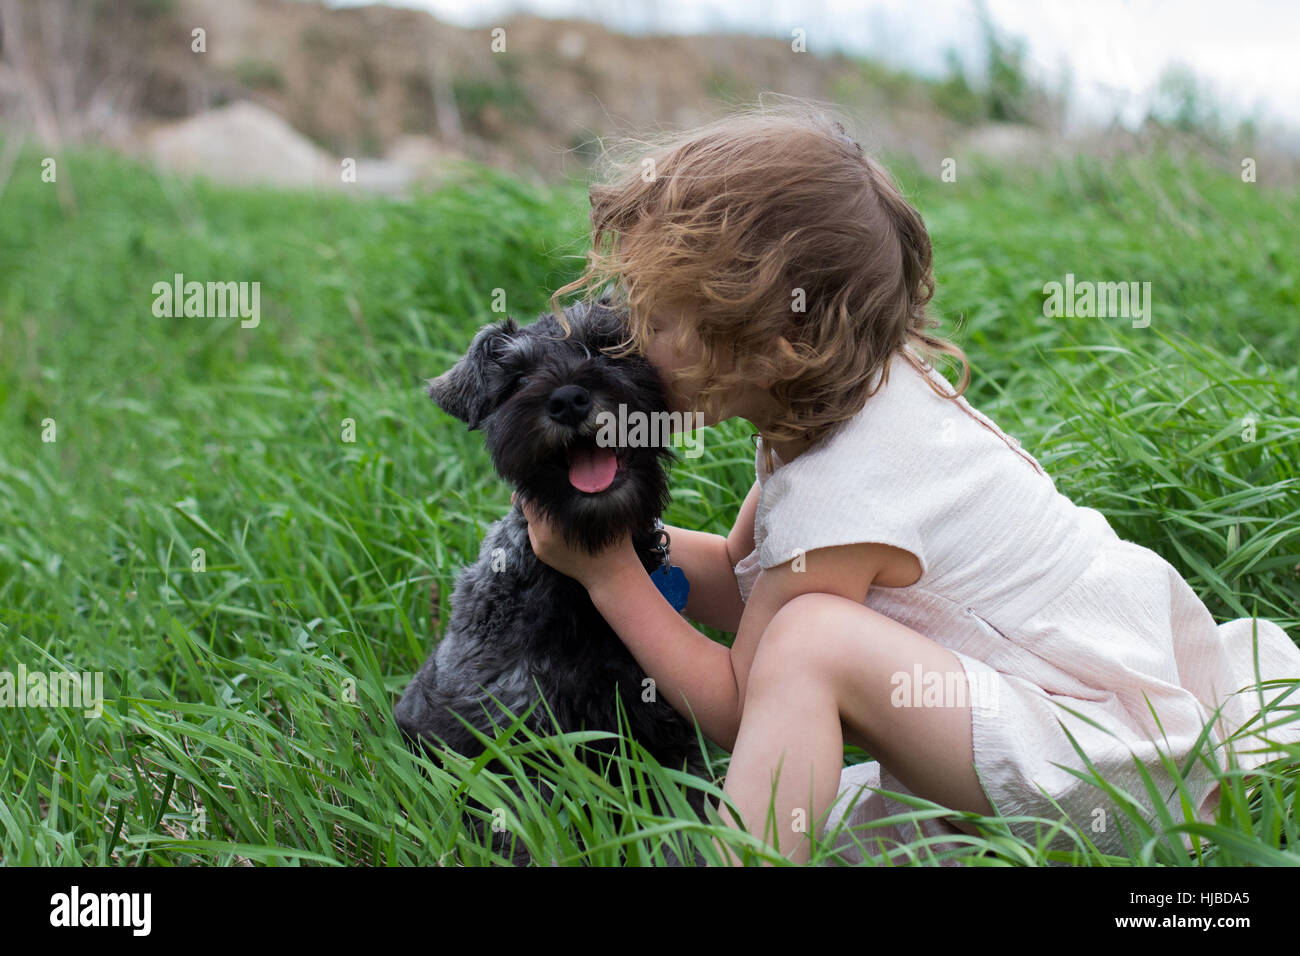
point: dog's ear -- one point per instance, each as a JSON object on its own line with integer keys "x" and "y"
{"x": 463, "y": 390}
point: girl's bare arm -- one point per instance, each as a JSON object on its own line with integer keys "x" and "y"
{"x": 708, "y": 561}
{"x": 691, "y": 672}
{"x": 701, "y": 679}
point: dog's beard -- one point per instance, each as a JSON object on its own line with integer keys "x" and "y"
{"x": 595, "y": 521}
{"x": 593, "y": 495}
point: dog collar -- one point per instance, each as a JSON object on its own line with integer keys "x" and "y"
{"x": 669, "y": 579}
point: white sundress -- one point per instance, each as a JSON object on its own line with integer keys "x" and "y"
{"x": 1043, "y": 604}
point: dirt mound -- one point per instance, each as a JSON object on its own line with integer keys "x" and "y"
{"x": 242, "y": 143}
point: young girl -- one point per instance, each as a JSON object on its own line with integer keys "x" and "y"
{"x": 902, "y": 575}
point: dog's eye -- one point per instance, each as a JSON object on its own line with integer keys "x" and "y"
{"x": 520, "y": 382}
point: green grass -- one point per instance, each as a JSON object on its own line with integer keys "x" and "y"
{"x": 248, "y": 705}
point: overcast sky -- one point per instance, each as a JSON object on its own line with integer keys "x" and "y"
{"x": 1113, "y": 51}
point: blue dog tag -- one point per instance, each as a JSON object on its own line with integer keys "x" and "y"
{"x": 672, "y": 584}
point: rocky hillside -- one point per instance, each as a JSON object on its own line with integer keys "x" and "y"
{"x": 288, "y": 90}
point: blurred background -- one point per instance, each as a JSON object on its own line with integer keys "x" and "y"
{"x": 280, "y": 90}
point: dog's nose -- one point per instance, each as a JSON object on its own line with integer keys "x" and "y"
{"x": 569, "y": 404}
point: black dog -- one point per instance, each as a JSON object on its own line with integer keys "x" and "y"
{"x": 518, "y": 626}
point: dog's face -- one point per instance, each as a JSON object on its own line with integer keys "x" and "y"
{"x": 549, "y": 408}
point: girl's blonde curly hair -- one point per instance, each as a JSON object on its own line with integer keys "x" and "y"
{"x": 769, "y": 223}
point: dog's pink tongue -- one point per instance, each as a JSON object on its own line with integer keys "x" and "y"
{"x": 592, "y": 469}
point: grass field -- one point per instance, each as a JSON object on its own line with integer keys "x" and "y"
{"x": 247, "y": 711}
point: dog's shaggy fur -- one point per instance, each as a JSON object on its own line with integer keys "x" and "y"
{"x": 518, "y": 627}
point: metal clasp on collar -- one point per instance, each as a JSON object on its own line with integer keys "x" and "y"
{"x": 664, "y": 541}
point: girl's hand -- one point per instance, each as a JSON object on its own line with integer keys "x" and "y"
{"x": 552, "y": 550}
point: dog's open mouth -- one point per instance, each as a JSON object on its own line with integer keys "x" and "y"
{"x": 592, "y": 468}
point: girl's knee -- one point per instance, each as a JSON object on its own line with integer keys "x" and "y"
{"x": 806, "y": 636}
{"x": 796, "y": 639}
